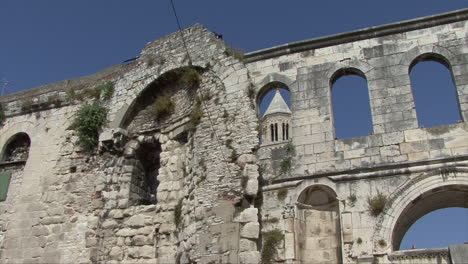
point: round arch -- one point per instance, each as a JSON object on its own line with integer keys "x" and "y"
{"x": 429, "y": 192}
{"x": 344, "y": 72}
{"x": 317, "y": 195}
{"x": 16, "y": 148}
{"x": 150, "y": 91}
{"x": 434, "y": 199}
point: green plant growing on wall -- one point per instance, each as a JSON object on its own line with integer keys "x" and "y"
{"x": 2, "y": 114}
{"x": 162, "y": 106}
{"x": 54, "y": 100}
{"x": 271, "y": 240}
{"x": 196, "y": 114}
{"x": 178, "y": 213}
{"x": 26, "y": 105}
{"x": 235, "y": 53}
{"x": 285, "y": 165}
{"x": 107, "y": 90}
{"x": 88, "y": 122}
{"x": 352, "y": 199}
{"x": 377, "y": 203}
{"x": 382, "y": 243}
{"x": 281, "y": 194}
{"x": 290, "y": 148}
{"x": 191, "y": 78}
{"x": 251, "y": 91}
{"x": 359, "y": 241}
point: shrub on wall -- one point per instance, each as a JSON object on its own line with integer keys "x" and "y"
{"x": 190, "y": 77}
{"x": 88, "y": 122}
{"x": 162, "y": 106}
{"x": 377, "y": 203}
{"x": 2, "y": 114}
{"x": 178, "y": 213}
{"x": 271, "y": 240}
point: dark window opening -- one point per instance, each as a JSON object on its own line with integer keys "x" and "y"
{"x": 272, "y": 133}
{"x": 276, "y": 131}
{"x": 283, "y": 130}
{"x": 351, "y": 105}
{"x": 434, "y": 92}
{"x": 287, "y": 131}
{"x": 145, "y": 176}
{"x": 17, "y": 149}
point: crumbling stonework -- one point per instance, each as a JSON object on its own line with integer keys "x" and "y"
{"x": 195, "y": 186}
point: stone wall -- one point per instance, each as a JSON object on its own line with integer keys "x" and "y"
{"x": 184, "y": 187}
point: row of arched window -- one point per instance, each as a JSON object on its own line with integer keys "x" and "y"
{"x": 274, "y": 132}
{"x": 432, "y": 87}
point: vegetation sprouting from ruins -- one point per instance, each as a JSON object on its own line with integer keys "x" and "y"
{"x": 196, "y": 114}
{"x": 107, "y": 90}
{"x": 190, "y": 77}
{"x": 2, "y": 114}
{"x": 88, "y": 122}
{"x": 235, "y": 53}
{"x": 162, "y": 106}
{"x": 178, "y": 213}
{"x": 377, "y": 203}
{"x": 271, "y": 240}
{"x": 281, "y": 194}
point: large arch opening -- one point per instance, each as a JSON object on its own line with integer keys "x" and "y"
{"x": 274, "y": 110}
{"x": 351, "y": 106}
{"x": 16, "y": 148}
{"x": 430, "y": 201}
{"x": 434, "y": 91}
{"x": 170, "y": 97}
{"x": 319, "y": 232}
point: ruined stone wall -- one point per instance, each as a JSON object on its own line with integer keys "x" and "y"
{"x": 184, "y": 187}
{"x": 68, "y": 206}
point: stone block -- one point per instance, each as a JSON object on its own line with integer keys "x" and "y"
{"x": 251, "y": 188}
{"x": 136, "y": 221}
{"x": 250, "y": 257}
{"x": 248, "y": 215}
{"x": 250, "y": 230}
{"x": 247, "y": 245}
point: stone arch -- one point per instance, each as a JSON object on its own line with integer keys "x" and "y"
{"x": 361, "y": 68}
{"x": 16, "y": 148}
{"x": 430, "y": 191}
{"x": 318, "y": 223}
{"x": 425, "y": 51}
{"x": 155, "y": 88}
{"x": 272, "y": 81}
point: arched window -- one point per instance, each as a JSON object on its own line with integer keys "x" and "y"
{"x": 274, "y": 107}
{"x": 350, "y": 101}
{"x": 434, "y": 91}
{"x": 17, "y": 148}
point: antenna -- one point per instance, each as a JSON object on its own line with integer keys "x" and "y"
{"x": 5, "y": 84}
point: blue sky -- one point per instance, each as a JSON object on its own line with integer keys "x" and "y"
{"x": 52, "y": 40}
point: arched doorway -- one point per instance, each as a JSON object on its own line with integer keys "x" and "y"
{"x": 319, "y": 232}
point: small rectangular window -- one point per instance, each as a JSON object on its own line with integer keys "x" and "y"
{"x": 4, "y": 184}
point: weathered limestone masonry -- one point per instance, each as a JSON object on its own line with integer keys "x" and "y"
{"x": 322, "y": 204}
{"x": 195, "y": 186}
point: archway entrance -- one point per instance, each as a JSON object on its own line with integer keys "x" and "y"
{"x": 319, "y": 233}
{"x": 437, "y": 198}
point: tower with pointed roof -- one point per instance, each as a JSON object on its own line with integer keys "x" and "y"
{"x": 276, "y": 121}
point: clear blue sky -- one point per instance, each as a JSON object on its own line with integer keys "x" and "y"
{"x": 52, "y": 40}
